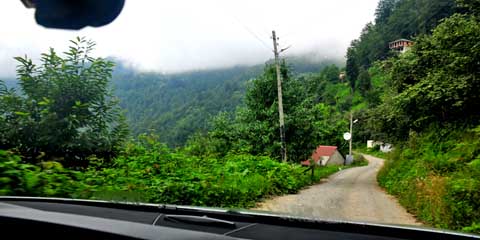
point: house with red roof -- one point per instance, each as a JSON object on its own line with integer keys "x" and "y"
{"x": 326, "y": 156}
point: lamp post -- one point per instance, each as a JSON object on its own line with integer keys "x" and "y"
{"x": 351, "y": 132}
{"x": 348, "y": 137}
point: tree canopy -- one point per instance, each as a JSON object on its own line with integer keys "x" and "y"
{"x": 64, "y": 109}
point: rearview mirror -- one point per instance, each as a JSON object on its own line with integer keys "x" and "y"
{"x": 75, "y": 14}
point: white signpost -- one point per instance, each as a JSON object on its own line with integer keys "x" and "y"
{"x": 349, "y": 159}
{"x": 347, "y": 136}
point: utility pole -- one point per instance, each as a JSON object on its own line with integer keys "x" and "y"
{"x": 280, "y": 101}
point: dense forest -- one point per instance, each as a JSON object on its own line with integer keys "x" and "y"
{"x": 211, "y": 137}
{"x": 175, "y": 106}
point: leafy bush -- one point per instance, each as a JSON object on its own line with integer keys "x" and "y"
{"x": 149, "y": 171}
{"x": 440, "y": 180}
{"x": 375, "y": 151}
{"x": 359, "y": 160}
{"x": 49, "y": 179}
{"x": 64, "y": 109}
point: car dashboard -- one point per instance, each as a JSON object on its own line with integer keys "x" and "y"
{"x": 86, "y": 219}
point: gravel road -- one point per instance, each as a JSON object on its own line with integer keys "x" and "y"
{"x": 351, "y": 194}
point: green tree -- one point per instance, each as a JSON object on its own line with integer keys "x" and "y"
{"x": 384, "y": 10}
{"x": 469, "y": 6}
{"x": 352, "y": 64}
{"x": 394, "y": 19}
{"x": 331, "y": 73}
{"x": 255, "y": 129}
{"x": 65, "y": 109}
{"x": 363, "y": 82}
{"x": 445, "y": 70}
{"x": 434, "y": 83}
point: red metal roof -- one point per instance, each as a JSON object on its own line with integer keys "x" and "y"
{"x": 321, "y": 151}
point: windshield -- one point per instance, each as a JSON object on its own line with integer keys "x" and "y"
{"x": 364, "y": 111}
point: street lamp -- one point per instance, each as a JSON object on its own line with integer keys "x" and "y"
{"x": 348, "y": 137}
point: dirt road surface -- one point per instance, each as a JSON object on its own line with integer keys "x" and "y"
{"x": 351, "y": 194}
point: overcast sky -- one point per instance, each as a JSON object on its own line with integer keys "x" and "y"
{"x": 178, "y": 35}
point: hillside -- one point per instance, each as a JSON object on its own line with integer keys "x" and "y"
{"x": 175, "y": 106}
{"x": 426, "y": 101}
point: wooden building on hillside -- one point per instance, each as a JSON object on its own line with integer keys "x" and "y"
{"x": 400, "y": 45}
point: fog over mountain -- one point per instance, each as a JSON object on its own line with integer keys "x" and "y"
{"x": 175, "y": 36}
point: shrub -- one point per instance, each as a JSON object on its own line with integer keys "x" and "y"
{"x": 49, "y": 179}
{"x": 149, "y": 171}
{"x": 439, "y": 181}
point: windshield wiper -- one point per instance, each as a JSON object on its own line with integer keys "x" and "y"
{"x": 203, "y": 220}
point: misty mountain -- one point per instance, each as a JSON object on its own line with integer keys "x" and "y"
{"x": 10, "y": 82}
{"x": 174, "y": 106}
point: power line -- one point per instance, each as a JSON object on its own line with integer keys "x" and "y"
{"x": 292, "y": 37}
{"x": 251, "y": 32}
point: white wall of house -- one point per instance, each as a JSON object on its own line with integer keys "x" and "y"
{"x": 323, "y": 160}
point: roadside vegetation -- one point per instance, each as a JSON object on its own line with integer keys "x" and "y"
{"x": 436, "y": 175}
{"x": 359, "y": 160}
{"x": 375, "y": 151}
{"x": 150, "y": 172}
{"x": 428, "y": 107}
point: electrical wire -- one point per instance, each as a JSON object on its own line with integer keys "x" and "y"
{"x": 253, "y": 34}
{"x": 245, "y": 27}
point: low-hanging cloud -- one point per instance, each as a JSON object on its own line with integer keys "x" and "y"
{"x": 173, "y": 36}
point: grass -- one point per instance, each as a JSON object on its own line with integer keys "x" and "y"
{"x": 359, "y": 160}
{"x": 436, "y": 176}
{"x": 372, "y": 151}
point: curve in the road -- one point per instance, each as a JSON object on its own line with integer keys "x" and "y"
{"x": 352, "y": 194}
